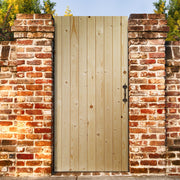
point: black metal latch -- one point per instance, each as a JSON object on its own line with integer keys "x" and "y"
{"x": 125, "y": 87}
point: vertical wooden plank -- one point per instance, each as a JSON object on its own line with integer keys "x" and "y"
{"x": 100, "y": 94}
{"x": 108, "y": 93}
{"x": 58, "y": 88}
{"x": 74, "y": 94}
{"x": 124, "y": 66}
{"x": 66, "y": 93}
{"x": 91, "y": 94}
{"x": 83, "y": 106}
{"x": 116, "y": 94}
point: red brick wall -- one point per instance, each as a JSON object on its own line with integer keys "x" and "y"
{"x": 26, "y": 98}
{"x": 173, "y": 107}
{"x": 147, "y": 133}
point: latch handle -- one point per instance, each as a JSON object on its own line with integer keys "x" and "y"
{"x": 125, "y": 87}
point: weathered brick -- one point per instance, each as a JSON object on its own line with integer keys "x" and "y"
{"x": 156, "y": 130}
{"x": 43, "y": 81}
{"x": 43, "y": 143}
{"x": 6, "y": 163}
{"x": 138, "y": 16}
{"x": 147, "y": 87}
{"x": 25, "y": 156}
{"x": 156, "y": 16}
{"x": 34, "y": 112}
{"x": 43, "y": 170}
{"x": 25, "y": 55}
{"x": 34, "y": 163}
{"x": 25, "y": 143}
{"x": 138, "y": 130}
{"x": 177, "y": 162}
{"x": 34, "y": 87}
{"x": 157, "y": 55}
{"x": 42, "y": 93}
{"x": 157, "y": 143}
{"x": 43, "y": 55}
{"x": 33, "y": 136}
{"x": 148, "y": 74}
{"x": 42, "y": 156}
{"x": 19, "y": 28}
{"x": 8, "y": 142}
{"x": 149, "y": 149}
{"x": 174, "y": 148}
{"x": 152, "y": 61}
{"x": 26, "y": 105}
{"x": 46, "y": 29}
{"x": 24, "y": 16}
{"x": 5, "y": 88}
{"x": 147, "y": 111}
{"x": 43, "y": 16}
{"x": 156, "y": 81}
{"x": 140, "y": 55}
{"x": 43, "y": 106}
{"x": 34, "y": 124}
{"x": 33, "y": 49}
{"x": 135, "y": 28}
{"x": 24, "y": 42}
{"x": 34, "y": 99}
{"x": 42, "y": 130}
{"x": 149, "y": 162}
{"x": 5, "y": 52}
{"x": 43, "y": 42}
{"x": 138, "y": 68}
{"x": 35, "y": 22}
{"x": 34, "y": 74}
{"x": 24, "y": 170}
{"x": 20, "y": 22}
{"x": 147, "y": 48}
{"x": 6, "y": 123}
{"x": 48, "y": 68}
{"x": 24, "y": 93}
{"x": 152, "y": 136}
{"x": 8, "y": 149}
{"x": 24, "y": 68}
{"x": 25, "y": 81}
{"x": 157, "y": 170}
{"x": 139, "y": 170}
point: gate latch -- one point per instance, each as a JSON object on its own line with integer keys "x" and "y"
{"x": 125, "y": 87}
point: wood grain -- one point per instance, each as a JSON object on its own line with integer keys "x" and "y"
{"x": 91, "y": 119}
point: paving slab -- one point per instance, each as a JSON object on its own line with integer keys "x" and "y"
{"x": 94, "y": 178}
{"x": 38, "y": 178}
{"x": 128, "y": 178}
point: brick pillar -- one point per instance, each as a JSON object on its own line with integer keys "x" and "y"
{"x": 34, "y": 36}
{"x": 147, "y": 33}
{"x": 173, "y": 107}
{"x": 8, "y": 135}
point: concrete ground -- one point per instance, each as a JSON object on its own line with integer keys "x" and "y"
{"x": 94, "y": 178}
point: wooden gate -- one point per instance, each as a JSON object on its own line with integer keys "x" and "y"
{"x": 91, "y": 79}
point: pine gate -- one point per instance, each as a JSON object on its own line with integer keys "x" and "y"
{"x": 91, "y": 104}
